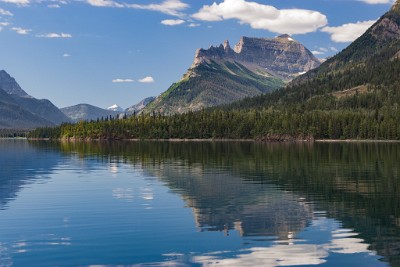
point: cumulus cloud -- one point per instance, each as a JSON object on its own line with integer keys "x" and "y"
{"x": 192, "y": 25}
{"x": 55, "y": 35}
{"x": 147, "y": 79}
{"x": 53, "y": 6}
{"x": 265, "y": 17}
{"x": 374, "y": 2}
{"x": 348, "y": 32}
{"x": 66, "y": 55}
{"x": 3, "y": 24}
{"x": 316, "y": 52}
{"x": 170, "y": 7}
{"x": 5, "y": 12}
{"x": 104, "y": 3}
{"x": 17, "y": 2}
{"x": 172, "y": 22}
{"x": 122, "y": 81}
{"x": 21, "y": 31}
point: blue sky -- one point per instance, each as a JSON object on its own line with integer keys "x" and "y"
{"x": 104, "y": 52}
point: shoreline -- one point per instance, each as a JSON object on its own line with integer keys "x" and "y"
{"x": 213, "y": 140}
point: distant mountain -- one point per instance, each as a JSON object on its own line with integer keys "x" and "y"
{"x": 13, "y": 116}
{"x": 10, "y": 86}
{"x": 139, "y": 106}
{"x": 115, "y": 107}
{"x": 221, "y": 75}
{"x": 20, "y": 110}
{"x": 87, "y": 112}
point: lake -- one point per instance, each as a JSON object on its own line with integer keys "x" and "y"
{"x": 199, "y": 204}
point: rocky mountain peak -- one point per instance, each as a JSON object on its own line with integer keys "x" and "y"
{"x": 285, "y": 37}
{"x": 226, "y": 46}
{"x": 282, "y": 56}
{"x": 239, "y": 46}
{"x": 10, "y": 86}
{"x": 388, "y": 26}
{"x": 396, "y": 6}
{"x": 115, "y": 107}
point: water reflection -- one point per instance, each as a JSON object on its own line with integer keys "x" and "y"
{"x": 21, "y": 165}
{"x": 294, "y": 252}
{"x": 270, "y": 194}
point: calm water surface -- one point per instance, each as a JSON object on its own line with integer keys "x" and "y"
{"x": 199, "y": 204}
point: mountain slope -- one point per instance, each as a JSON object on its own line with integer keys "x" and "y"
{"x": 221, "y": 75}
{"x": 10, "y": 86}
{"x": 20, "y": 110}
{"x": 367, "y": 70}
{"x": 43, "y": 108}
{"x": 139, "y": 106}
{"x": 372, "y": 59}
{"x": 13, "y": 116}
{"x": 87, "y": 112}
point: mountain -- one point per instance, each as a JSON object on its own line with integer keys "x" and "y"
{"x": 139, "y": 106}
{"x": 10, "y": 86}
{"x": 43, "y": 108}
{"x": 353, "y": 95}
{"x": 13, "y": 116}
{"x": 365, "y": 75}
{"x": 115, "y": 107}
{"x": 86, "y": 112}
{"x": 20, "y": 110}
{"x": 221, "y": 75}
{"x": 371, "y": 61}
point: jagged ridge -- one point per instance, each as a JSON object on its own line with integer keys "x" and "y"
{"x": 221, "y": 75}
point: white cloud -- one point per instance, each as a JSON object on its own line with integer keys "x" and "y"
{"x": 104, "y": 3}
{"x": 316, "y": 52}
{"x": 5, "y": 12}
{"x": 3, "y": 24}
{"x": 53, "y": 6}
{"x": 374, "y": 2}
{"x": 55, "y": 35}
{"x": 192, "y": 25}
{"x": 20, "y": 30}
{"x": 170, "y": 7}
{"x": 259, "y": 16}
{"x": 66, "y": 55}
{"x": 122, "y": 81}
{"x": 17, "y": 2}
{"x": 147, "y": 79}
{"x": 334, "y": 49}
{"x": 172, "y": 22}
{"x": 348, "y": 32}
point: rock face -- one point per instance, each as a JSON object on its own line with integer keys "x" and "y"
{"x": 86, "y": 112}
{"x": 221, "y": 75}
{"x": 19, "y": 110}
{"x": 10, "y": 86}
{"x": 282, "y": 56}
{"x": 139, "y": 106}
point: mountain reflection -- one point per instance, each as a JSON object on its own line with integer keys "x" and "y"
{"x": 275, "y": 190}
{"x": 22, "y": 164}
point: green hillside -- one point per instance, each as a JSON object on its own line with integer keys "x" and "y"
{"x": 214, "y": 84}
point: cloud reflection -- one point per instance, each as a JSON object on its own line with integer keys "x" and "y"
{"x": 293, "y": 252}
{"x": 123, "y": 193}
